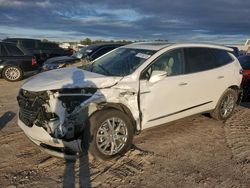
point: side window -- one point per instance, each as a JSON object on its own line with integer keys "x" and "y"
{"x": 198, "y": 59}
{"x": 171, "y": 62}
{"x": 28, "y": 44}
{"x": 222, "y": 57}
{"x": 101, "y": 52}
{"x": 3, "y": 51}
{"x": 48, "y": 45}
{"x": 13, "y": 50}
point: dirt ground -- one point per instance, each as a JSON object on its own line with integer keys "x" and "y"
{"x": 193, "y": 152}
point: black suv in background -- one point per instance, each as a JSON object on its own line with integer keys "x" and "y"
{"x": 82, "y": 57}
{"x": 14, "y": 64}
{"x": 41, "y": 50}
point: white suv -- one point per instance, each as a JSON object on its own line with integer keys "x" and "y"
{"x": 134, "y": 87}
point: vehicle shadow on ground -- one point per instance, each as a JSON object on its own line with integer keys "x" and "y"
{"x": 245, "y": 102}
{"x": 6, "y": 118}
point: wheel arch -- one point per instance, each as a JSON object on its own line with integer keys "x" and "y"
{"x": 239, "y": 92}
{"x": 234, "y": 87}
{"x": 117, "y": 106}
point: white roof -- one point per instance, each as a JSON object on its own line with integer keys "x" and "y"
{"x": 148, "y": 45}
{"x": 160, "y": 45}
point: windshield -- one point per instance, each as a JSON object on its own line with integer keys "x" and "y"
{"x": 120, "y": 62}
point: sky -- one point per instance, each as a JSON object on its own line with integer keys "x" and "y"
{"x": 216, "y": 21}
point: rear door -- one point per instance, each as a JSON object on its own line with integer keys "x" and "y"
{"x": 200, "y": 69}
{"x": 17, "y": 57}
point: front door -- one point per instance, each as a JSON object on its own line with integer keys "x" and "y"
{"x": 162, "y": 99}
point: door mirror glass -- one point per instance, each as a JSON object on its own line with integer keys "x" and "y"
{"x": 157, "y": 76}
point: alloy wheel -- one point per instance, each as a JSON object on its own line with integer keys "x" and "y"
{"x": 12, "y": 73}
{"x": 111, "y": 136}
{"x": 227, "y": 105}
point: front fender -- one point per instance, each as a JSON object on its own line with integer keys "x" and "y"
{"x": 123, "y": 100}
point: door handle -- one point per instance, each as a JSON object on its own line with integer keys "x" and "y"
{"x": 220, "y": 77}
{"x": 183, "y": 84}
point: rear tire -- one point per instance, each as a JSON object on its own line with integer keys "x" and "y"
{"x": 12, "y": 73}
{"x": 109, "y": 133}
{"x": 225, "y": 106}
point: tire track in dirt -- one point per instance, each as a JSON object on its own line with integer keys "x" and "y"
{"x": 237, "y": 130}
{"x": 113, "y": 173}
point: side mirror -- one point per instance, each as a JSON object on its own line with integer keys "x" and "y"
{"x": 157, "y": 76}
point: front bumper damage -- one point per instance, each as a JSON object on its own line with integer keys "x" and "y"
{"x": 54, "y": 121}
{"x": 68, "y": 150}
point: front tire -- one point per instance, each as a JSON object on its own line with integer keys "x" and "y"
{"x": 110, "y": 134}
{"x": 225, "y": 106}
{"x": 12, "y": 73}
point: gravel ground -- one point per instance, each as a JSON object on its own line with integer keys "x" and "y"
{"x": 193, "y": 152}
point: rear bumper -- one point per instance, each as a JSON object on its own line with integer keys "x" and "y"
{"x": 68, "y": 150}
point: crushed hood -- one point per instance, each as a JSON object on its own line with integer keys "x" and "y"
{"x": 68, "y": 78}
{"x": 60, "y": 59}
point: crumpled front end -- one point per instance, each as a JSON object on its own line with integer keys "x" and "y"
{"x": 55, "y": 120}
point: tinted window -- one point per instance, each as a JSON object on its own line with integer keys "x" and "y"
{"x": 13, "y": 50}
{"x": 28, "y": 44}
{"x": 11, "y": 40}
{"x": 48, "y": 45}
{"x": 101, "y": 52}
{"x": 221, "y": 57}
{"x": 3, "y": 51}
{"x": 171, "y": 62}
{"x": 198, "y": 59}
{"x": 245, "y": 62}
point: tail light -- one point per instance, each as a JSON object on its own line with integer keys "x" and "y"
{"x": 246, "y": 72}
{"x": 33, "y": 61}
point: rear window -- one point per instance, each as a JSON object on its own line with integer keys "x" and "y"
{"x": 245, "y": 62}
{"x": 48, "y": 45}
{"x": 29, "y": 44}
{"x": 10, "y": 40}
{"x": 13, "y": 50}
{"x": 221, "y": 57}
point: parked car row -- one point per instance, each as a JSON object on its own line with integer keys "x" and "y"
{"x": 41, "y": 50}
{"x": 88, "y": 53}
{"x": 14, "y": 64}
{"x": 134, "y": 87}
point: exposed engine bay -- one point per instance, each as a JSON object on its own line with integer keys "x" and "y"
{"x": 59, "y": 112}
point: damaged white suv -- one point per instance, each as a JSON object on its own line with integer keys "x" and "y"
{"x": 134, "y": 87}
